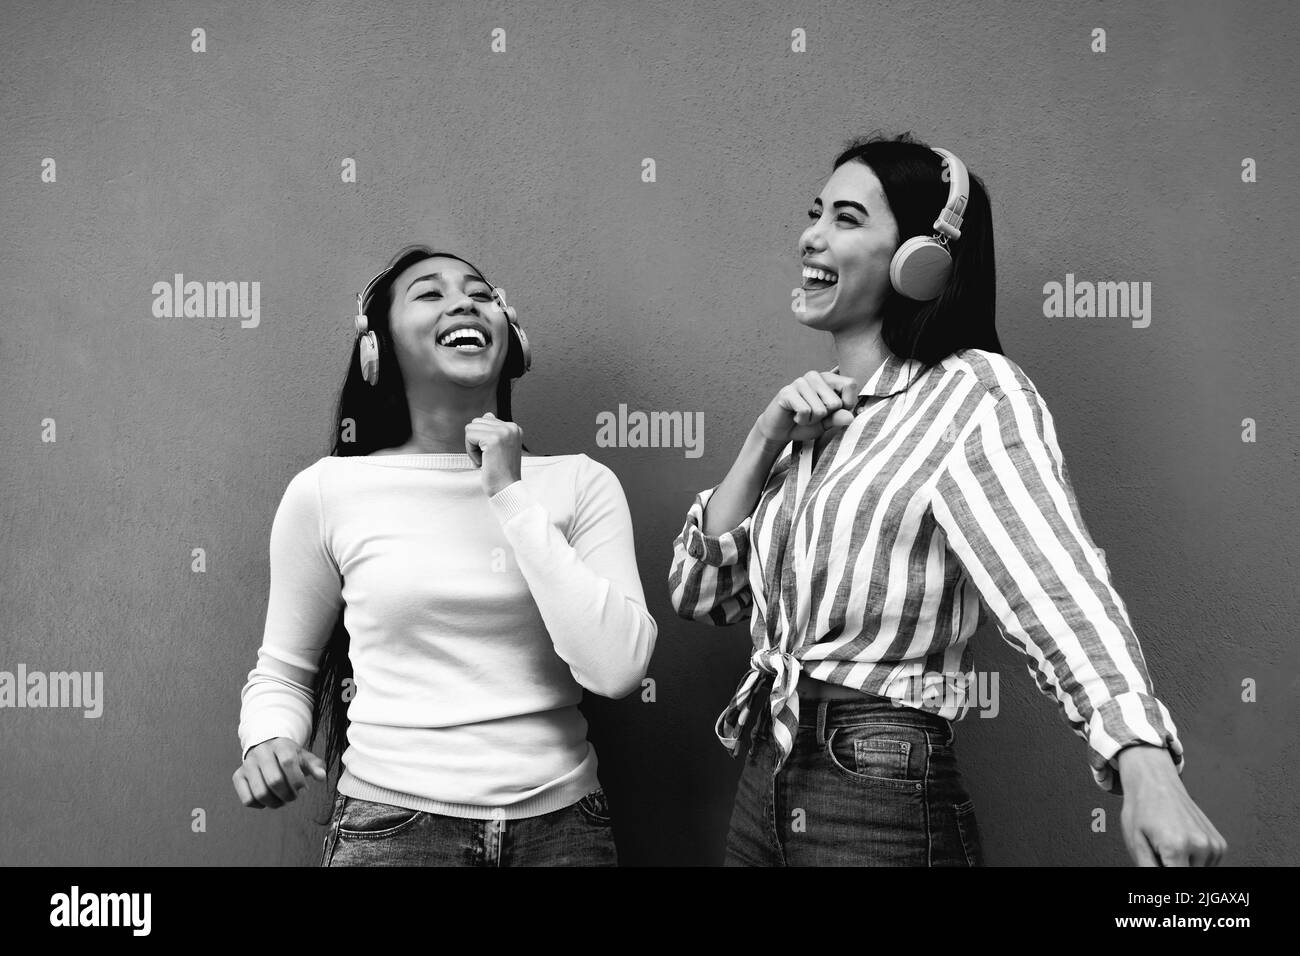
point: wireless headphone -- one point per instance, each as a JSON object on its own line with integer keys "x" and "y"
{"x": 370, "y": 346}
{"x": 921, "y": 266}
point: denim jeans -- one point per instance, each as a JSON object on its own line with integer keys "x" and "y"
{"x": 365, "y": 833}
{"x": 867, "y": 784}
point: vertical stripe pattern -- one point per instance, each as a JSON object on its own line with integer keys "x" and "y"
{"x": 945, "y": 497}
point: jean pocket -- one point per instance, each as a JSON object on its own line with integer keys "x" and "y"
{"x": 890, "y": 755}
{"x": 969, "y": 833}
{"x": 331, "y": 828}
{"x": 594, "y": 808}
{"x": 368, "y": 820}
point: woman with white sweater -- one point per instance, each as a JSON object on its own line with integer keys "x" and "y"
{"x": 442, "y": 596}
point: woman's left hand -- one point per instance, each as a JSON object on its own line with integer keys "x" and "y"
{"x": 1162, "y": 825}
{"x": 494, "y": 446}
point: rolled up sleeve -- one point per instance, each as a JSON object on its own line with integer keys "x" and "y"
{"x": 709, "y": 578}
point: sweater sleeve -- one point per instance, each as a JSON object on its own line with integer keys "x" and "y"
{"x": 587, "y": 587}
{"x": 1005, "y": 501}
{"x": 306, "y": 593}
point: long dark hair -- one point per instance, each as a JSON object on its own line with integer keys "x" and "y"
{"x": 963, "y": 315}
{"x": 370, "y": 418}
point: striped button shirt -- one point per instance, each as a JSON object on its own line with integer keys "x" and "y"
{"x": 871, "y": 567}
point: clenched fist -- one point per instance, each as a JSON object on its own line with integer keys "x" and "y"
{"x": 810, "y": 405}
{"x": 274, "y": 772}
{"x": 495, "y": 446}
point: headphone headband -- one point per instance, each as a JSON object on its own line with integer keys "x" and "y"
{"x": 949, "y": 222}
{"x": 363, "y": 297}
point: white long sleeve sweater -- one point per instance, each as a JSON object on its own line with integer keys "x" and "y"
{"x": 475, "y": 622}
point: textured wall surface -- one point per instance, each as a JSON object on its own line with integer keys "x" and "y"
{"x": 179, "y": 433}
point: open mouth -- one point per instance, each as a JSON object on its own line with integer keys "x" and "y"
{"x": 465, "y": 338}
{"x": 815, "y": 280}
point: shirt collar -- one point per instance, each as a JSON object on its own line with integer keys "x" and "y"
{"x": 890, "y": 378}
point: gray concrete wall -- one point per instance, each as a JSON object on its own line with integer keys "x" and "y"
{"x": 175, "y": 434}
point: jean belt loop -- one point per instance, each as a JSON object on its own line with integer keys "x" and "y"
{"x": 822, "y": 707}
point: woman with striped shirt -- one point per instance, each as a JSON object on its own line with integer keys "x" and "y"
{"x": 872, "y": 513}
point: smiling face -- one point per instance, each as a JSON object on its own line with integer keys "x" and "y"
{"x": 846, "y": 250}
{"x": 447, "y": 325}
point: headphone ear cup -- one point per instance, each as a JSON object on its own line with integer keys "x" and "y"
{"x": 525, "y": 350}
{"x": 920, "y": 269}
{"x": 368, "y": 355}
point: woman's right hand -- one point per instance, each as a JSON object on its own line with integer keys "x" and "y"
{"x": 810, "y": 405}
{"x": 274, "y": 771}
